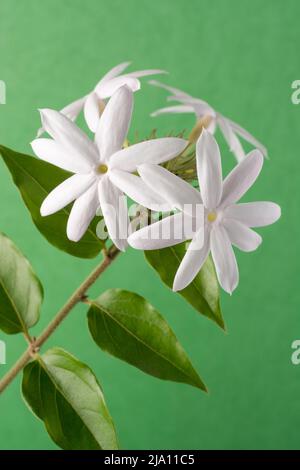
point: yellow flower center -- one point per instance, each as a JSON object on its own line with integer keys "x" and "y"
{"x": 211, "y": 216}
{"x": 102, "y": 169}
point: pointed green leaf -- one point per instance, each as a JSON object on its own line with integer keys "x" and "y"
{"x": 128, "y": 327}
{"x": 21, "y": 293}
{"x": 203, "y": 292}
{"x": 64, "y": 393}
{"x": 35, "y": 180}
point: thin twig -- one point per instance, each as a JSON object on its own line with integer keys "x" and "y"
{"x": 76, "y": 297}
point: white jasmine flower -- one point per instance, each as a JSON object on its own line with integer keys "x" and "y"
{"x": 94, "y": 102}
{"x": 100, "y": 166}
{"x": 225, "y": 222}
{"x": 231, "y": 130}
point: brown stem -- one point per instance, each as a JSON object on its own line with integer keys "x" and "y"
{"x": 76, "y": 297}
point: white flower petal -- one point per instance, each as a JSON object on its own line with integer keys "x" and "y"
{"x": 53, "y": 152}
{"x": 174, "y": 91}
{"x": 241, "y": 178}
{"x": 114, "y": 210}
{"x": 224, "y": 259}
{"x": 173, "y": 190}
{"x": 92, "y": 111}
{"x": 114, "y": 72}
{"x": 167, "y": 232}
{"x": 248, "y": 137}
{"x": 114, "y": 123}
{"x": 201, "y": 108}
{"x": 182, "y": 108}
{"x": 66, "y": 192}
{"x": 138, "y": 191}
{"x": 108, "y": 88}
{"x": 144, "y": 73}
{"x": 73, "y": 139}
{"x": 254, "y": 214}
{"x": 193, "y": 260}
{"x": 82, "y": 213}
{"x": 72, "y": 110}
{"x": 232, "y": 140}
{"x": 40, "y": 132}
{"x": 212, "y": 126}
{"x": 241, "y": 236}
{"x": 209, "y": 169}
{"x": 151, "y": 151}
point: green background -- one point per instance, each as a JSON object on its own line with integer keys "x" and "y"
{"x": 240, "y": 56}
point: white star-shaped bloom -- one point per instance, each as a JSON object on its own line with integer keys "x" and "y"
{"x": 230, "y": 129}
{"x": 225, "y": 222}
{"x": 94, "y": 102}
{"x": 101, "y": 167}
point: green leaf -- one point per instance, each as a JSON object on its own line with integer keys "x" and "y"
{"x": 21, "y": 293}
{"x": 203, "y": 292}
{"x": 128, "y": 327}
{"x": 35, "y": 180}
{"x": 64, "y": 393}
